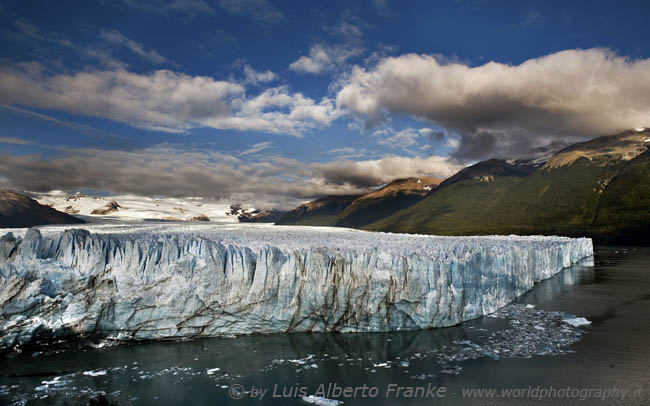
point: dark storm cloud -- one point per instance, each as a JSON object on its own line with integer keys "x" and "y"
{"x": 505, "y": 109}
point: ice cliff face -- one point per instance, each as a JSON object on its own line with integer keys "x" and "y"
{"x": 155, "y": 283}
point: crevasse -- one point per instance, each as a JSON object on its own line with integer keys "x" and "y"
{"x": 159, "y": 283}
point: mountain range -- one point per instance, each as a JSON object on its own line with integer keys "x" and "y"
{"x": 17, "y": 210}
{"x": 25, "y": 209}
{"x": 598, "y": 188}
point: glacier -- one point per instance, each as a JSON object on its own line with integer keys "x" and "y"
{"x": 166, "y": 281}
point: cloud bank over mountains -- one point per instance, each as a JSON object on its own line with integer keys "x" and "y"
{"x": 272, "y": 181}
{"x": 500, "y": 109}
{"x": 491, "y": 110}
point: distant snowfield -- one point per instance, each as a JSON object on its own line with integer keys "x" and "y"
{"x": 137, "y": 208}
{"x": 253, "y": 235}
{"x": 288, "y": 238}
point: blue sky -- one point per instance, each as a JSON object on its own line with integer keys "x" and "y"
{"x": 282, "y": 101}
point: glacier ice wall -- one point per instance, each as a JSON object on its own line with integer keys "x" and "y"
{"x": 169, "y": 283}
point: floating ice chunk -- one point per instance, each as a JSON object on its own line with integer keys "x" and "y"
{"x": 100, "y": 372}
{"x": 530, "y": 306}
{"x": 577, "y": 321}
{"x": 452, "y": 370}
{"x": 492, "y": 354}
{"x": 467, "y": 343}
{"x": 55, "y": 381}
{"x": 102, "y": 344}
{"x": 321, "y": 401}
{"x": 301, "y": 361}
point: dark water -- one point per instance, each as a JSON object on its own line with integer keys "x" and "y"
{"x": 608, "y": 364}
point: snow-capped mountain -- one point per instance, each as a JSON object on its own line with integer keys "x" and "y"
{"x": 252, "y": 215}
{"x": 619, "y": 147}
{"x": 134, "y": 208}
{"x": 17, "y": 210}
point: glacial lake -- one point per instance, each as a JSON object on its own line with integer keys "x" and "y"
{"x": 607, "y": 362}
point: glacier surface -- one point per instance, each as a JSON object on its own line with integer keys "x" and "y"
{"x": 177, "y": 281}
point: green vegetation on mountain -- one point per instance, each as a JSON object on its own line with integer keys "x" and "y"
{"x": 624, "y": 208}
{"x": 549, "y": 201}
{"x": 381, "y": 203}
{"x": 321, "y": 212}
{"x": 599, "y": 188}
{"x": 357, "y": 211}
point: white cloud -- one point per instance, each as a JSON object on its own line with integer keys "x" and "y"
{"x": 164, "y": 100}
{"x": 497, "y": 106}
{"x": 255, "y": 77}
{"x": 81, "y": 128}
{"x": 431, "y": 133}
{"x": 348, "y": 30}
{"x": 116, "y": 38}
{"x": 401, "y": 139}
{"x": 317, "y": 61}
{"x": 255, "y": 148}
{"x": 452, "y": 142}
{"x": 104, "y": 57}
{"x": 14, "y": 140}
{"x": 46, "y": 44}
{"x": 346, "y": 153}
{"x": 324, "y": 58}
{"x": 409, "y": 139}
{"x": 28, "y": 29}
